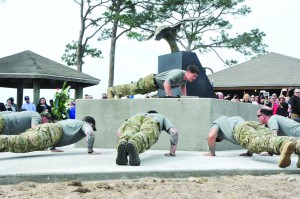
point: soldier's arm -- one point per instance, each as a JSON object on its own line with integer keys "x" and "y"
{"x": 212, "y": 135}
{"x": 183, "y": 90}
{"x": 173, "y": 140}
{"x": 168, "y": 88}
{"x": 90, "y": 138}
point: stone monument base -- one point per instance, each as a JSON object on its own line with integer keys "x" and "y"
{"x": 191, "y": 116}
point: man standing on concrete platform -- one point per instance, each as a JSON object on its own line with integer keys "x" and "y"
{"x": 57, "y": 134}
{"x": 165, "y": 80}
{"x": 254, "y": 137}
{"x": 139, "y": 133}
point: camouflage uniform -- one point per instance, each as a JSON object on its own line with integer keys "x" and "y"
{"x": 1, "y": 123}
{"x": 142, "y": 131}
{"x": 257, "y": 138}
{"x": 34, "y": 139}
{"x": 142, "y": 86}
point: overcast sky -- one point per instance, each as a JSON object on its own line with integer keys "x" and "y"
{"x": 46, "y": 26}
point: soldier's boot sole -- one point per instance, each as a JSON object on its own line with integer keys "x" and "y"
{"x": 122, "y": 154}
{"x": 134, "y": 159}
{"x": 285, "y": 154}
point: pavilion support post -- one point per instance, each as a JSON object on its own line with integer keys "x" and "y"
{"x": 36, "y": 91}
{"x": 79, "y": 92}
{"x": 20, "y": 94}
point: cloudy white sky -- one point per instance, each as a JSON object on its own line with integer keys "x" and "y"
{"x": 46, "y": 26}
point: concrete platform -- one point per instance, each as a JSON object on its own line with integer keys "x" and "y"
{"x": 76, "y": 164}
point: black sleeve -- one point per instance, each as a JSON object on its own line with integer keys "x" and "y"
{"x": 2, "y": 107}
{"x": 295, "y": 104}
{"x": 49, "y": 109}
{"x": 39, "y": 108}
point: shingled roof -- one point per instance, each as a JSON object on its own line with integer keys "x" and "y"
{"x": 27, "y": 66}
{"x": 271, "y": 71}
{"x": 30, "y": 70}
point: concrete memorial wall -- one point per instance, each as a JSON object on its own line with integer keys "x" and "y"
{"x": 191, "y": 116}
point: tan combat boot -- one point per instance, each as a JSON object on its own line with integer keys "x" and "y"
{"x": 287, "y": 148}
{"x": 296, "y": 141}
{"x": 298, "y": 153}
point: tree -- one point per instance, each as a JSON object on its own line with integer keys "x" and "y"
{"x": 77, "y": 50}
{"x": 125, "y": 17}
{"x": 203, "y": 25}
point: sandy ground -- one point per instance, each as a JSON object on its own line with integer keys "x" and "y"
{"x": 275, "y": 186}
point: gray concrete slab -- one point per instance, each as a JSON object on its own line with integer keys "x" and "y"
{"x": 192, "y": 118}
{"x": 76, "y": 164}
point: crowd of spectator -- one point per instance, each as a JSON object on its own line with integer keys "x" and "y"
{"x": 42, "y": 106}
{"x": 287, "y": 104}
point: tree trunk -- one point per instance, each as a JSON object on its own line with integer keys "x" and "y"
{"x": 80, "y": 47}
{"x": 112, "y": 54}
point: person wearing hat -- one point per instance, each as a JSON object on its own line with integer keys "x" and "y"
{"x": 282, "y": 107}
{"x": 14, "y": 123}
{"x": 28, "y": 105}
{"x": 138, "y": 133}
{"x": 43, "y": 136}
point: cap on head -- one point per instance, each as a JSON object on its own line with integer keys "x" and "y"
{"x": 45, "y": 114}
{"x": 281, "y": 96}
{"x": 152, "y": 111}
{"x": 26, "y": 98}
{"x": 91, "y": 120}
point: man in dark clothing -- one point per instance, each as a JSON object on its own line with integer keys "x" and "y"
{"x": 2, "y": 107}
{"x": 295, "y": 104}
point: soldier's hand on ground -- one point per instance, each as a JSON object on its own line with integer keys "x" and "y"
{"x": 209, "y": 154}
{"x": 57, "y": 150}
{"x": 169, "y": 154}
{"x": 95, "y": 153}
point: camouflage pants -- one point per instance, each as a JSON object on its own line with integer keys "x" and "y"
{"x": 1, "y": 123}
{"x": 142, "y": 86}
{"x": 34, "y": 139}
{"x": 257, "y": 138}
{"x": 142, "y": 131}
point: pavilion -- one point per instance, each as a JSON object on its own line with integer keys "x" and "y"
{"x": 27, "y": 69}
{"x": 270, "y": 72}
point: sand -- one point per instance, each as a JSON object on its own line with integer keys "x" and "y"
{"x": 272, "y": 186}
